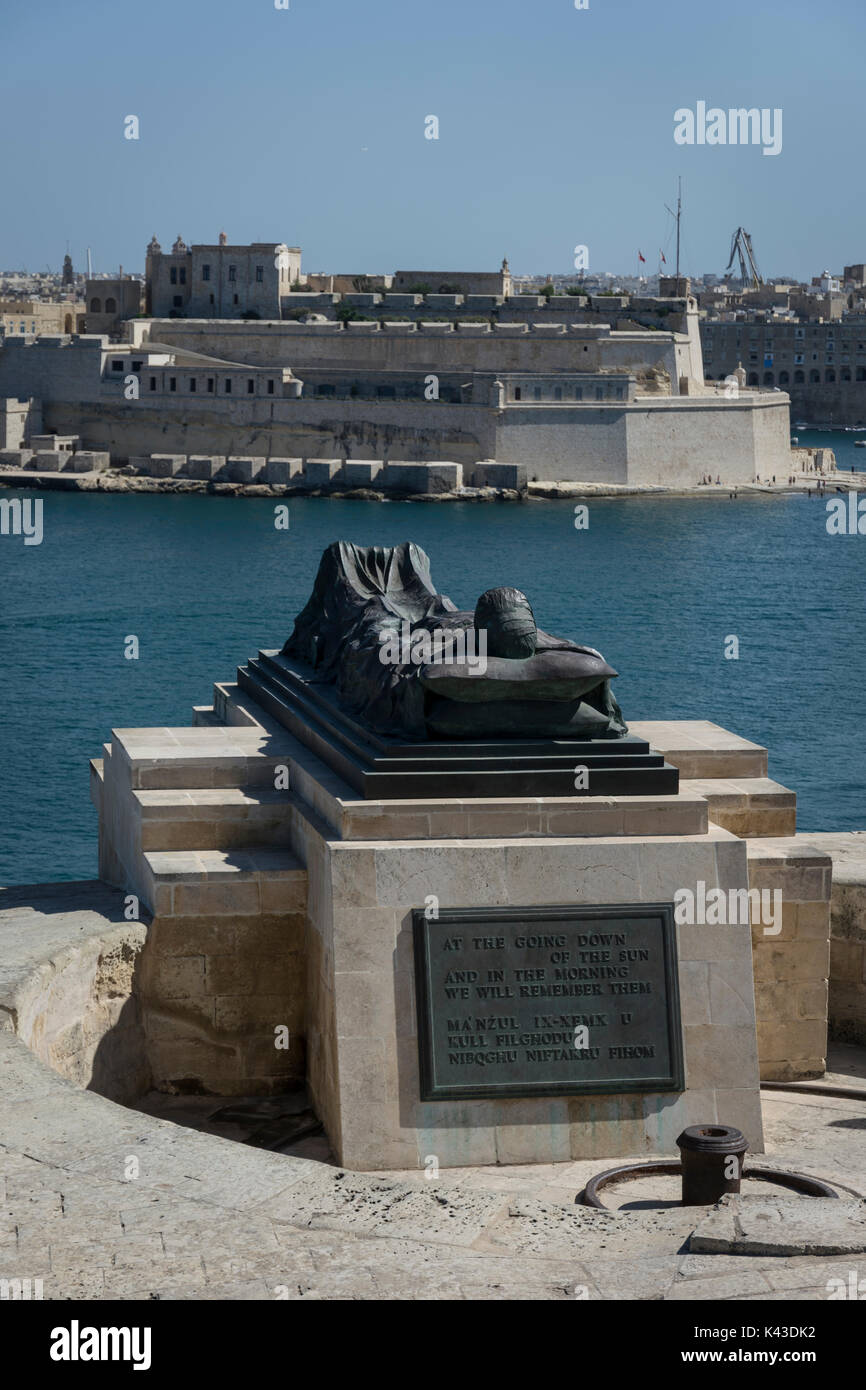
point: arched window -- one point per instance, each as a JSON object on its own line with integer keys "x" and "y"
{"x": 769, "y": 379}
{"x": 96, "y": 306}
{"x": 799, "y": 378}
{"x": 67, "y": 324}
{"x": 753, "y": 378}
{"x": 830, "y": 374}
{"x": 784, "y": 378}
{"x": 845, "y": 374}
{"x": 814, "y": 377}
{"x": 111, "y": 306}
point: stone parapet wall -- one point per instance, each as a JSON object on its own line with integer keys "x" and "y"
{"x": 69, "y": 984}
{"x": 669, "y": 441}
{"x": 215, "y": 986}
{"x": 847, "y": 1003}
{"x": 792, "y": 965}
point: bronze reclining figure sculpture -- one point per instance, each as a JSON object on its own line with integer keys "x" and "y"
{"x": 407, "y": 662}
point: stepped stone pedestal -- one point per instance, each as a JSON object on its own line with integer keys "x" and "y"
{"x": 282, "y": 948}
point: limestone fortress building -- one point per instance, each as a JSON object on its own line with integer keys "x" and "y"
{"x": 231, "y": 361}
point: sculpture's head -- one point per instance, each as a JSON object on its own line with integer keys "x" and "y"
{"x": 507, "y": 618}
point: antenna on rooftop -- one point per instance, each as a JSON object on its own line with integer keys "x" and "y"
{"x": 677, "y": 215}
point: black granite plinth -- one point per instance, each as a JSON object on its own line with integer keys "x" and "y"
{"x": 378, "y": 767}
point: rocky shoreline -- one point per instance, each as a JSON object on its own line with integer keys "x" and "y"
{"x": 118, "y": 482}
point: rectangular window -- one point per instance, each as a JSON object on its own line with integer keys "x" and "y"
{"x": 205, "y": 272}
{"x": 137, "y": 366}
{"x": 183, "y": 275}
{"x": 172, "y": 384}
{"x": 619, "y": 393}
{"x": 578, "y": 393}
{"x": 233, "y": 274}
{"x": 536, "y": 391}
{"x": 270, "y": 388}
{"x": 260, "y": 274}
{"x": 228, "y": 386}
{"x": 517, "y": 393}
{"x": 116, "y": 366}
{"x": 192, "y": 385}
{"x": 173, "y": 275}
{"x": 236, "y": 299}
{"x": 210, "y": 383}
{"x": 251, "y": 387}
{"x": 211, "y": 298}
{"x": 599, "y": 393}
{"x": 153, "y": 383}
{"x": 557, "y": 393}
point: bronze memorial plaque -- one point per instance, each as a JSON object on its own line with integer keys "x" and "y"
{"x": 547, "y": 1001}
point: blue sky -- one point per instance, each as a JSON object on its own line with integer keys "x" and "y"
{"x": 307, "y": 125}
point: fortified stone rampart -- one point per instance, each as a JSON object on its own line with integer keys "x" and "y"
{"x": 431, "y": 347}
{"x": 570, "y": 404}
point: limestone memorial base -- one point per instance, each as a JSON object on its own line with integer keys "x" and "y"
{"x": 362, "y": 1039}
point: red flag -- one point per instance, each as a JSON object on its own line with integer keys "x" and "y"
{"x": 640, "y": 257}
{"x": 662, "y": 254}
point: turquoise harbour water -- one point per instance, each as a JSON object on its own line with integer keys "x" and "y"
{"x": 203, "y": 582}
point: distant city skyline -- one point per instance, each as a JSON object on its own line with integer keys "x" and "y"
{"x": 555, "y": 128}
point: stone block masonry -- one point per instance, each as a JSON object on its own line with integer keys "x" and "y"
{"x": 221, "y": 980}
{"x": 847, "y": 998}
{"x": 190, "y": 819}
{"x": 792, "y": 966}
{"x": 489, "y": 473}
{"x": 243, "y": 470}
{"x": 282, "y": 471}
{"x": 162, "y": 465}
{"x": 89, "y": 461}
{"x": 321, "y": 472}
{"x": 570, "y": 402}
{"x": 363, "y": 472}
{"x": 424, "y": 477}
{"x": 200, "y": 466}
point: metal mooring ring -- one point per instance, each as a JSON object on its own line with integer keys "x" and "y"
{"x": 807, "y": 1187}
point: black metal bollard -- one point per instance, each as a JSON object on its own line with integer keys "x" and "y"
{"x": 711, "y": 1158}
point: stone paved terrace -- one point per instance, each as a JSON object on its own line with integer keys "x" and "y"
{"x": 206, "y": 1218}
